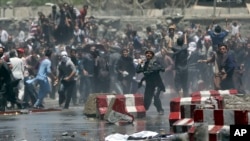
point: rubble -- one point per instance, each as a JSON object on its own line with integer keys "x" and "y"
{"x": 237, "y": 102}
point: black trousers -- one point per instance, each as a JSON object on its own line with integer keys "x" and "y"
{"x": 65, "y": 93}
{"x": 181, "y": 81}
{"x": 30, "y": 93}
{"x": 150, "y": 92}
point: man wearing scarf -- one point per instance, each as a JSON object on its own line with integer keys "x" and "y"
{"x": 67, "y": 71}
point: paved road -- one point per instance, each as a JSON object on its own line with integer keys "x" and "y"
{"x": 72, "y": 125}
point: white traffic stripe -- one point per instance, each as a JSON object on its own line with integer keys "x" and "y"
{"x": 228, "y": 117}
{"x": 185, "y": 121}
{"x": 185, "y": 100}
{"x": 203, "y": 100}
{"x": 130, "y": 103}
{"x": 208, "y": 116}
{"x": 224, "y": 92}
{"x": 248, "y": 117}
{"x": 205, "y": 93}
{"x": 210, "y": 127}
{"x": 109, "y": 98}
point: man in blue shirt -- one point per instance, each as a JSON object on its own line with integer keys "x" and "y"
{"x": 42, "y": 78}
{"x": 217, "y": 35}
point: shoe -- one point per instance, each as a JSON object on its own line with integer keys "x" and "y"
{"x": 41, "y": 106}
{"x": 35, "y": 107}
{"x": 38, "y": 107}
{"x": 161, "y": 112}
{"x": 75, "y": 104}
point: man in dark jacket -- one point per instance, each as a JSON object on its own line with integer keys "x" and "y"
{"x": 126, "y": 71}
{"x": 225, "y": 65}
{"x": 181, "y": 65}
{"x": 5, "y": 78}
{"x": 8, "y": 84}
{"x": 67, "y": 71}
{"x": 154, "y": 85}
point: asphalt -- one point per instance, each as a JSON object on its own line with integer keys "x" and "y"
{"x": 55, "y": 124}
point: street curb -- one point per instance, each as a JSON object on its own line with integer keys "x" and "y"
{"x": 26, "y": 111}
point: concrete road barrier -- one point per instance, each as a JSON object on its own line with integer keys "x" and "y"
{"x": 214, "y": 93}
{"x": 117, "y": 112}
{"x": 175, "y": 103}
{"x": 214, "y": 132}
{"x": 222, "y": 116}
{"x": 133, "y": 102}
{"x": 183, "y": 125}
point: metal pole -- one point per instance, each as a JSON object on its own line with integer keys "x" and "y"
{"x": 173, "y": 7}
{"x": 229, "y": 6}
{"x": 13, "y": 8}
{"x": 1, "y": 8}
{"x": 183, "y": 7}
{"x": 134, "y": 6}
{"x": 214, "y": 13}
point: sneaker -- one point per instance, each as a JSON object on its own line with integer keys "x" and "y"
{"x": 38, "y": 107}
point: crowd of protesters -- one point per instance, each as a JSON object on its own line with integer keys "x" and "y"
{"x": 64, "y": 54}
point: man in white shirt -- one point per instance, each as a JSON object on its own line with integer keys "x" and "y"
{"x": 18, "y": 71}
{"x": 235, "y": 28}
{"x": 4, "y": 35}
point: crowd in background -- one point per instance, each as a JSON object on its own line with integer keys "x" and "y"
{"x": 85, "y": 61}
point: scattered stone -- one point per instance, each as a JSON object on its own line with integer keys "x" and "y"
{"x": 24, "y": 111}
{"x": 65, "y": 134}
{"x": 84, "y": 133}
{"x": 237, "y": 102}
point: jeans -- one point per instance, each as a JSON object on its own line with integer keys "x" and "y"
{"x": 30, "y": 93}
{"x": 44, "y": 89}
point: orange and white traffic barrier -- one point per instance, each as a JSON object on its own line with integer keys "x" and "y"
{"x": 117, "y": 112}
{"x": 222, "y": 116}
{"x": 214, "y": 93}
{"x": 184, "y": 107}
{"x": 133, "y": 104}
{"x": 183, "y": 125}
{"x": 213, "y": 132}
{"x": 175, "y": 103}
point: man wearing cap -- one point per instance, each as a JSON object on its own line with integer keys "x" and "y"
{"x": 172, "y": 37}
{"x": 169, "y": 38}
{"x": 151, "y": 69}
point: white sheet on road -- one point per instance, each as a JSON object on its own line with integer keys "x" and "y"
{"x": 120, "y": 137}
